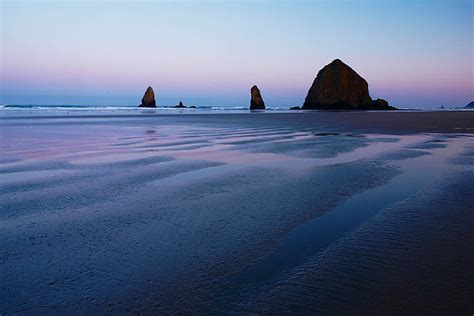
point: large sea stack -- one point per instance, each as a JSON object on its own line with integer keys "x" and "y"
{"x": 338, "y": 87}
{"x": 148, "y": 100}
{"x": 256, "y": 101}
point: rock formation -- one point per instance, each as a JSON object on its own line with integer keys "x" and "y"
{"x": 180, "y": 105}
{"x": 148, "y": 100}
{"x": 470, "y": 105}
{"x": 338, "y": 87}
{"x": 256, "y": 101}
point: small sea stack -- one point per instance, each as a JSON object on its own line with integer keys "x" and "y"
{"x": 180, "y": 105}
{"x": 470, "y": 105}
{"x": 256, "y": 100}
{"x": 148, "y": 100}
{"x": 338, "y": 87}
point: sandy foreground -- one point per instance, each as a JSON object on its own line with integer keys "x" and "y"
{"x": 329, "y": 212}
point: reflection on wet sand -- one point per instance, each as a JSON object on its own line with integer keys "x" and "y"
{"x": 217, "y": 214}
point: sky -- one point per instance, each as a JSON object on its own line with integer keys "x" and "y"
{"x": 413, "y": 53}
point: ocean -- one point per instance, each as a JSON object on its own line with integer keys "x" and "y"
{"x": 40, "y": 110}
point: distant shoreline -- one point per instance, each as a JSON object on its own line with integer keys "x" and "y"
{"x": 40, "y": 106}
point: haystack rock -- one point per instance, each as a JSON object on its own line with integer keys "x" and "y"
{"x": 148, "y": 100}
{"x": 338, "y": 87}
{"x": 256, "y": 101}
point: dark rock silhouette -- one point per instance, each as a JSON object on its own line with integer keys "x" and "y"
{"x": 338, "y": 87}
{"x": 380, "y": 104}
{"x": 180, "y": 105}
{"x": 256, "y": 101}
{"x": 148, "y": 100}
{"x": 295, "y": 108}
{"x": 470, "y": 105}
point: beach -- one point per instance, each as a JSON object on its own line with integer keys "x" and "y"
{"x": 264, "y": 212}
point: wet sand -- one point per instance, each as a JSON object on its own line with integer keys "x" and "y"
{"x": 237, "y": 213}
